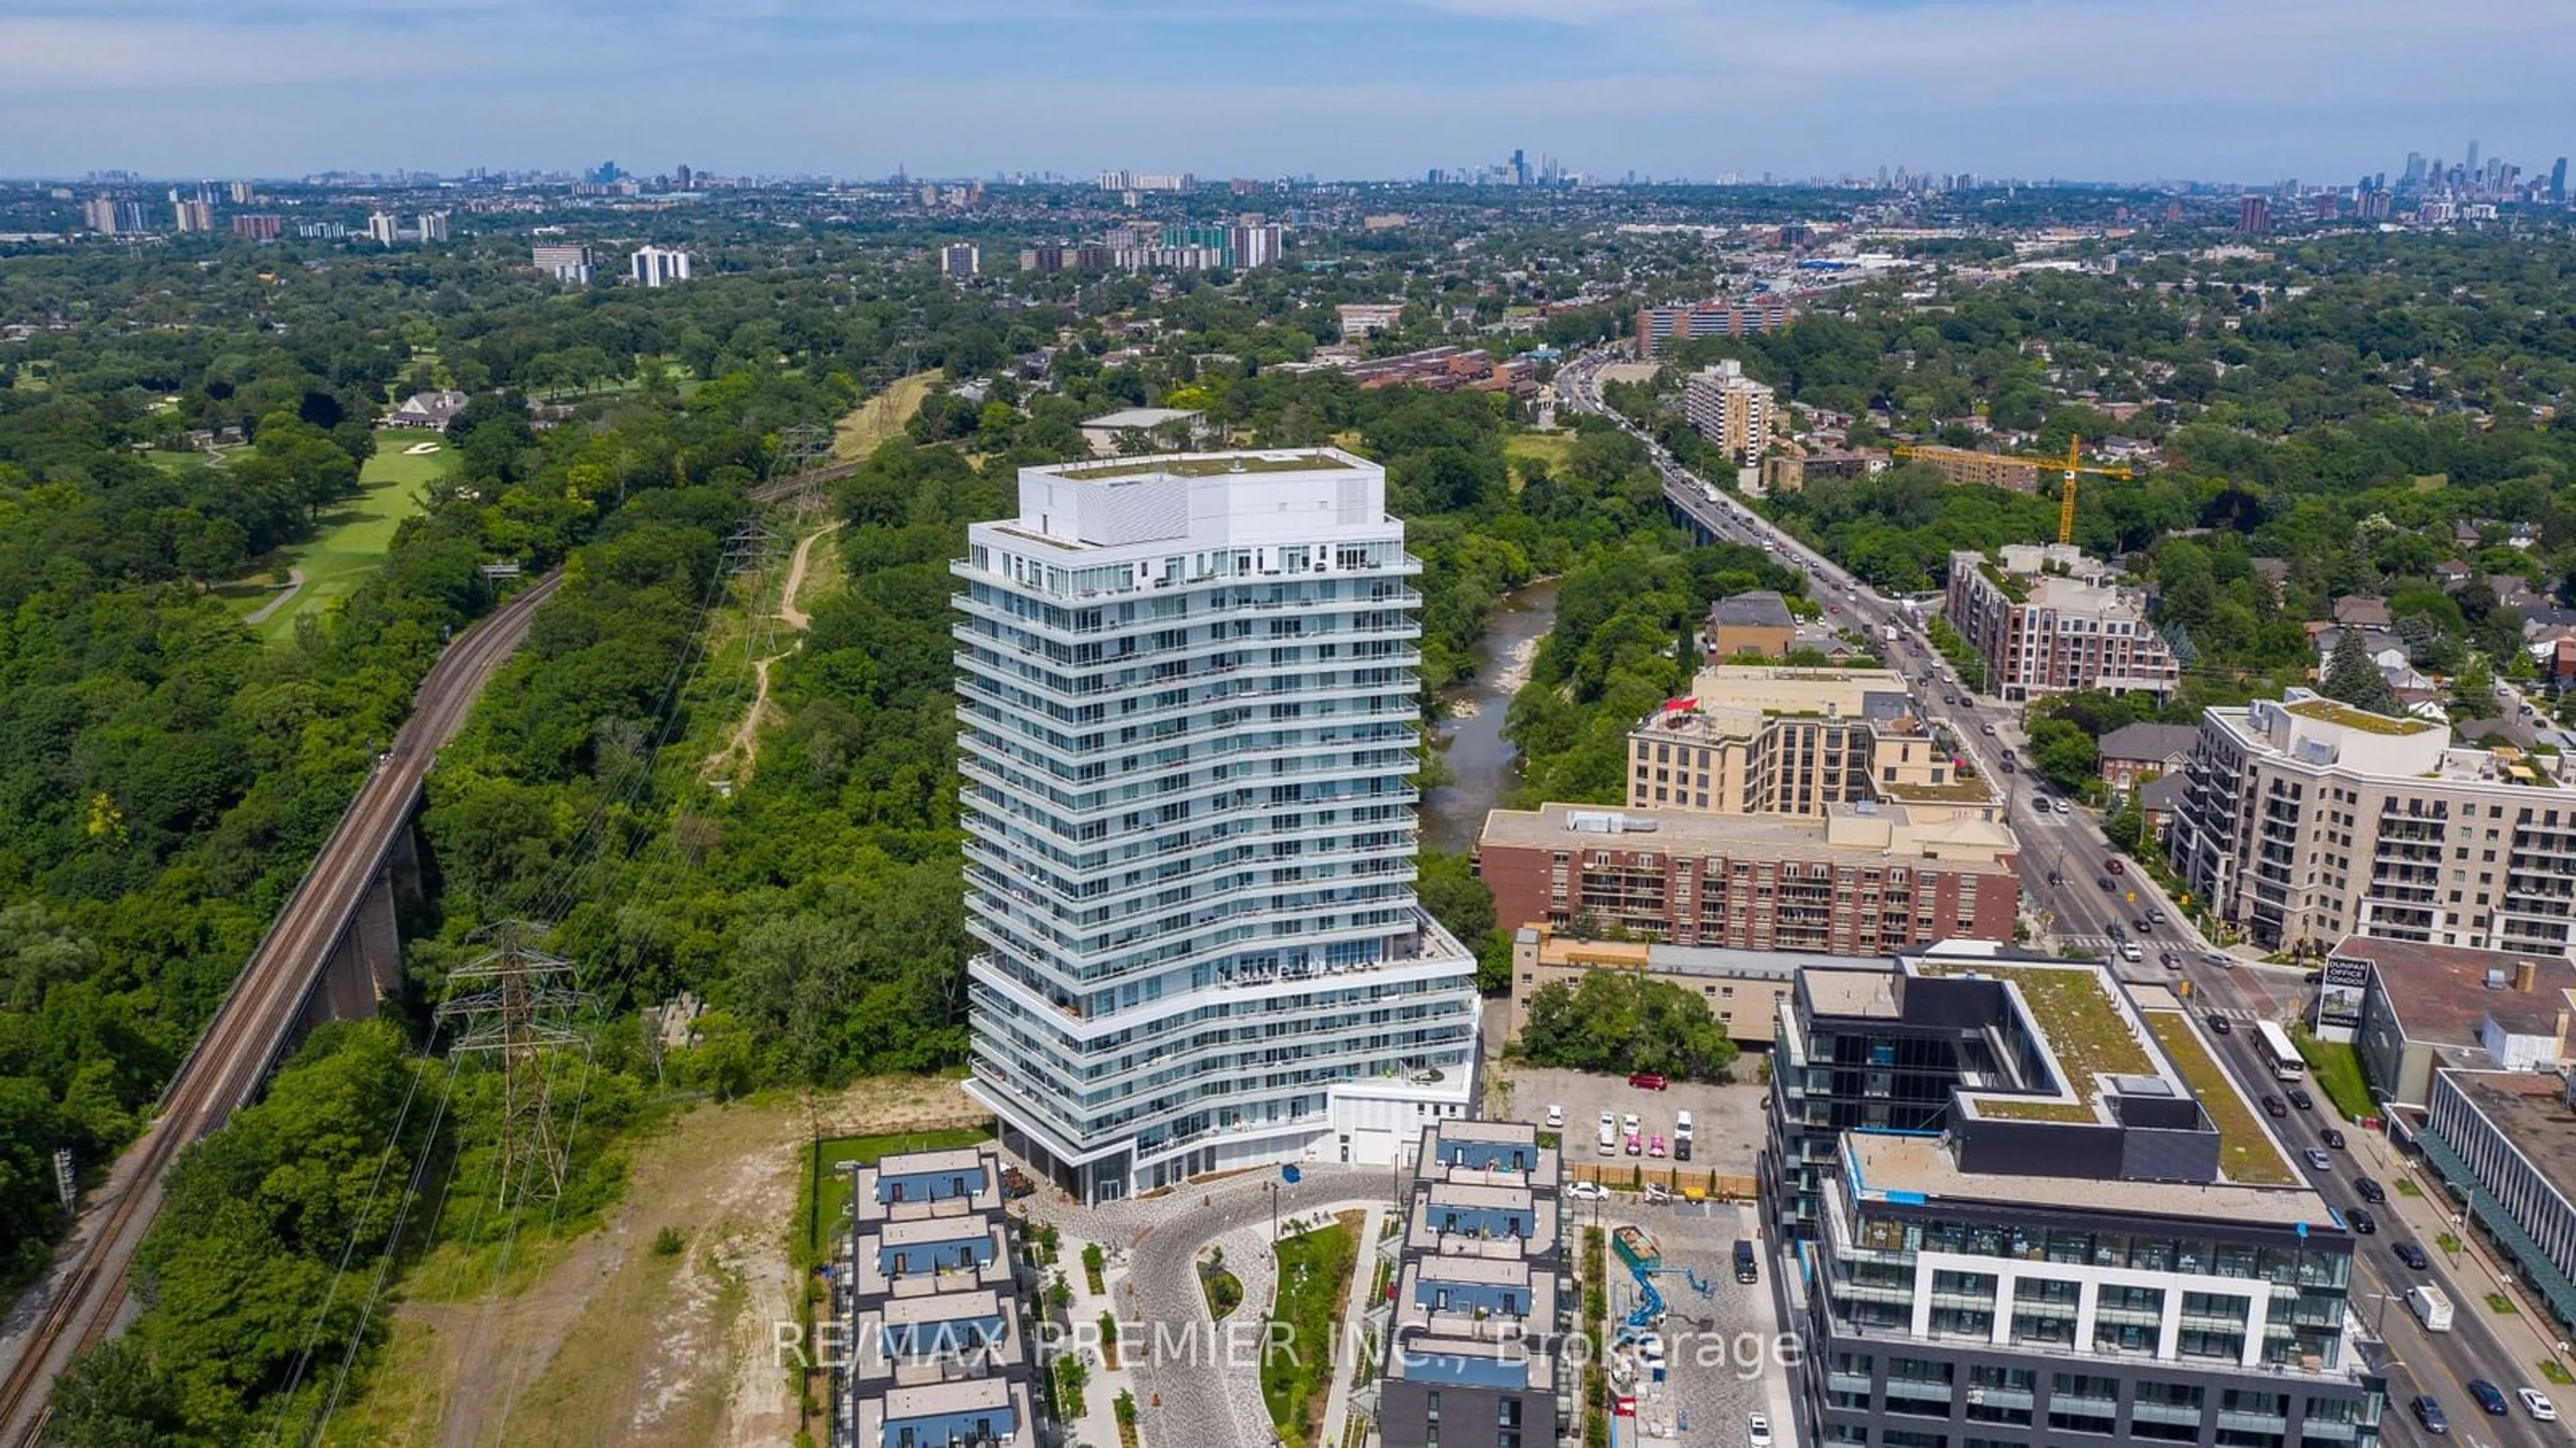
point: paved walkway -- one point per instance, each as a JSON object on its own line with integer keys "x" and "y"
{"x": 261, "y": 614}
{"x": 1197, "y": 1382}
{"x": 1350, "y": 1335}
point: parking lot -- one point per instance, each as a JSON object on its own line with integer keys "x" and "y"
{"x": 1726, "y": 1120}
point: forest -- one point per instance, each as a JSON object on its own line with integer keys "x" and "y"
{"x": 166, "y": 775}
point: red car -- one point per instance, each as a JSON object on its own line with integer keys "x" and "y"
{"x": 1648, "y": 1081}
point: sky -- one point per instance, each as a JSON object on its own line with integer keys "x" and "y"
{"x": 2114, "y": 90}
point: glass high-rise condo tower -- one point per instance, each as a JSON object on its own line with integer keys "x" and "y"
{"x": 1189, "y": 704}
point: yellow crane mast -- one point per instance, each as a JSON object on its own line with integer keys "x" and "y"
{"x": 2069, "y": 466}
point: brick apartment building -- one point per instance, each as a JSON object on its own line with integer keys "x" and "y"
{"x": 1865, "y": 879}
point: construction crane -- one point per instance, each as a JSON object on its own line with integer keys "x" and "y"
{"x": 2069, "y": 466}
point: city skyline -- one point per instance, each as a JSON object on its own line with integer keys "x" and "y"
{"x": 1664, "y": 87}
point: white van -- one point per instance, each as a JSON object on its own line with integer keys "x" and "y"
{"x": 1681, "y": 1123}
{"x": 1609, "y": 1134}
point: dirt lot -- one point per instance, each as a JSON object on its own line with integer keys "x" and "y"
{"x": 603, "y": 1341}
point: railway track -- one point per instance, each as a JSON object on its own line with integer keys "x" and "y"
{"x": 253, "y": 1025}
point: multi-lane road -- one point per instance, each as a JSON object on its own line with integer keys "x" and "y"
{"x": 2064, "y": 864}
{"x": 83, "y": 1297}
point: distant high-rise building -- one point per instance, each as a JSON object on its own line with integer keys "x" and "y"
{"x": 565, "y": 263}
{"x": 240, "y": 191}
{"x": 2414, "y": 169}
{"x": 433, "y": 226}
{"x": 192, "y": 216}
{"x": 1520, "y": 168}
{"x": 2253, "y": 215}
{"x": 382, "y": 229}
{"x": 605, "y": 173}
{"x": 254, "y": 227}
{"x": 2470, "y": 163}
{"x": 1253, "y": 243}
{"x": 99, "y": 215}
{"x": 655, "y": 266}
{"x": 685, "y": 178}
{"x": 961, "y": 261}
{"x": 2558, "y": 181}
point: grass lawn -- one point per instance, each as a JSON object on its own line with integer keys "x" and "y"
{"x": 1551, "y": 448}
{"x": 1314, "y": 1278}
{"x": 2337, "y": 1068}
{"x": 829, "y": 1193}
{"x": 353, "y": 537}
{"x": 880, "y": 417}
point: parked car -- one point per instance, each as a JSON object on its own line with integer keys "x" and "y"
{"x": 1681, "y": 1148}
{"x": 1648, "y": 1081}
{"x": 2537, "y": 1404}
{"x": 2489, "y": 1396}
{"x": 1655, "y": 1145}
{"x": 1681, "y": 1123}
{"x": 2220, "y": 1026}
{"x": 2371, "y": 1191}
{"x": 2331, "y": 1137}
{"x": 2429, "y": 1413}
{"x": 1629, "y": 1124}
{"x": 1636, "y": 1144}
{"x": 2363, "y": 1223}
{"x": 1555, "y": 1115}
{"x": 1757, "y": 1432}
{"x": 1657, "y": 1194}
{"x": 2300, "y": 1098}
{"x": 2412, "y": 1255}
{"x": 1583, "y": 1191}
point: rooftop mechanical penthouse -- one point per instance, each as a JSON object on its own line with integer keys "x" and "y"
{"x": 1188, "y": 708}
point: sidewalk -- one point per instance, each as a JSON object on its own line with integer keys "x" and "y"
{"x": 2475, "y": 1271}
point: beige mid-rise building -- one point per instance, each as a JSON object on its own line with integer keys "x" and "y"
{"x": 2047, "y": 619}
{"x": 2305, "y": 820}
{"x": 1775, "y": 740}
{"x": 1732, "y": 410}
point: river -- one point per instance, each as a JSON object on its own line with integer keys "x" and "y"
{"x": 1483, "y": 765}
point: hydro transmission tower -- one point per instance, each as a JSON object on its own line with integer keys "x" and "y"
{"x": 801, "y": 450}
{"x": 516, "y": 1003}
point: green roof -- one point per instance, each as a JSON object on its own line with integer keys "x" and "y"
{"x": 1206, "y": 465}
{"x": 2245, "y": 1153}
{"x": 2332, "y": 711}
{"x": 2074, "y": 1014}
